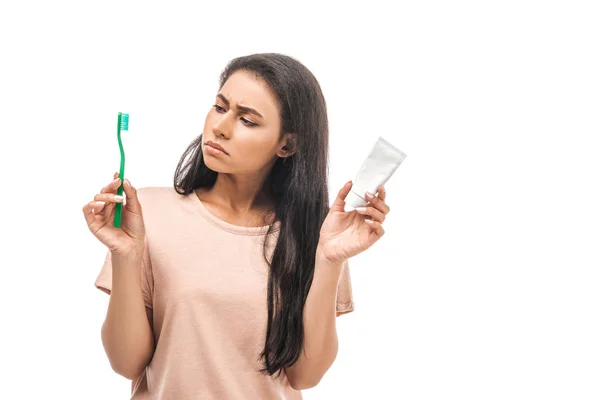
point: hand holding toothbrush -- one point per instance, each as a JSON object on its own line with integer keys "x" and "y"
{"x": 99, "y": 215}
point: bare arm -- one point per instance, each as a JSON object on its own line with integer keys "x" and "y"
{"x": 320, "y": 334}
{"x": 127, "y": 331}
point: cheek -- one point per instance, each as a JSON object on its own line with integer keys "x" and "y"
{"x": 254, "y": 141}
{"x": 208, "y": 122}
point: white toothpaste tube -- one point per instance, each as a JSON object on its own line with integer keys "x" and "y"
{"x": 381, "y": 163}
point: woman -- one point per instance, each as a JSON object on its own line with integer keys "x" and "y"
{"x": 228, "y": 285}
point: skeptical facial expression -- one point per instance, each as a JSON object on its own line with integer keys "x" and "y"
{"x": 245, "y": 123}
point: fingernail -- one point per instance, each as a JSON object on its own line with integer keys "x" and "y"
{"x": 369, "y": 195}
{"x": 116, "y": 180}
{"x": 361, "y": 209}
{"x": 118, "y": 198}
{"x": 127, "y": 183}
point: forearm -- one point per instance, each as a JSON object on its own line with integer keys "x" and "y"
{"x": 126, "y": 332}
{"x": 320, "y": 335}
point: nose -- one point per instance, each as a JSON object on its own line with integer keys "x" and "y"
{"x": 221, "y": 126}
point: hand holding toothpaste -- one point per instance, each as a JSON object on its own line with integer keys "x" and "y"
{"x": 346, "y": 234}
{"x": 379, "y": 166}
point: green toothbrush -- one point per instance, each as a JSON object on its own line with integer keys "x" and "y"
{"x": 122, "y": 125}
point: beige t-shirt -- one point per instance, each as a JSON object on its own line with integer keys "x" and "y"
{"x": 206, "y": 282}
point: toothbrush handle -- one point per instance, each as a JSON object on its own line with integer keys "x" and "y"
{"x": 119, "y": 206}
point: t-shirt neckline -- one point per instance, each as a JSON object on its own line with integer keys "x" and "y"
{"x": 226, "y": 226}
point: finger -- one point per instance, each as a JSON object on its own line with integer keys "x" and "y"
{"x": 109, "y": 208}
{"x": 372, "y": 212}
{"x": 340, "y": 200}
{"x": 108, "y": 198}
{"x": 378, "y": 202}
{"x": 382, "y": 193}
{"x": 377, "y": 228}
{"x": 133, "y": 203}
{"x": 89, "y": 212}
{"x": 111, "y": 187}
{"x": 98, "y": 207}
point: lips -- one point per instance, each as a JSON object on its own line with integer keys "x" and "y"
{"x": 216, "y": 146}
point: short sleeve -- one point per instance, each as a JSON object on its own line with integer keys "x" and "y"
{"x": 104, "y": 279}
{"x": 344, "y": 300}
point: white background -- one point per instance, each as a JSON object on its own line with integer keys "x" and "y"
{"x": 486, "y": 284}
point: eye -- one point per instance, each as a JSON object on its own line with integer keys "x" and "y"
{"x": 221, "y": 110}
{"x": 218, "y": 108}
{"x": 248, "y": 123}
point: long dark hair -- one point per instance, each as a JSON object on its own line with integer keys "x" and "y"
{"x": 299, "y": 184}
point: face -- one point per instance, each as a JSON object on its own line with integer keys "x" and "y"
{"x": 244, "y": 121}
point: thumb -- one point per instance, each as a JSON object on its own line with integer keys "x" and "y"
{"x": 340, "y": 200}
{"x": 133, "y": 204}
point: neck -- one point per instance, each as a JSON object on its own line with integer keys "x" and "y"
{"x": 239, "y": 195}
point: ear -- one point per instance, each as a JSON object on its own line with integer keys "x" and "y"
{"x": 287, "y": 145}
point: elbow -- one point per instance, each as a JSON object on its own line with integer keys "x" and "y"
{"x": 303, "y": 384}
{"x": 303, "y": 381}
{"x": 127, "y": 371}
{"x": 127, "y": 368}
{"x": 121, "y": 364}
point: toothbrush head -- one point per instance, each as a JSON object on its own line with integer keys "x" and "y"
{"x": 124, "y": 121}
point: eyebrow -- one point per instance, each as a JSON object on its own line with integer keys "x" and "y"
{"x": 240, "y": 107}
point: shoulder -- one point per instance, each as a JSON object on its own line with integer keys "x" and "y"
{"x": 160, "y": 204}
{"x": 153, "y": 197}
{"x": 150, "y": 194}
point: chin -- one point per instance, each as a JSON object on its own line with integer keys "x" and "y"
{"x": 212, "y": 164}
